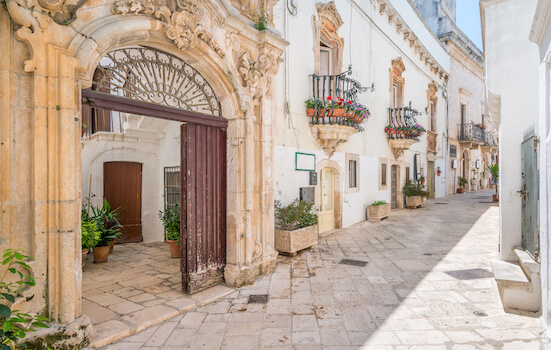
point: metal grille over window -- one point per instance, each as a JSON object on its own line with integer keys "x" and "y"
{"x": 172, "y": 186}
{"x": 352, "y": 169}
{"x": 148, "y": 75}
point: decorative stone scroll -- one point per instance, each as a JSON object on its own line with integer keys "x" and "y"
{"x": 181, "y": 17}
{"x": 253, "y": 9}
{"x": 328, "y": 24}
{"x": 398, "y": 68}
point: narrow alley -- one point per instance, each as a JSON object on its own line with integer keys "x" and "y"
{"x": 427, "y": 284}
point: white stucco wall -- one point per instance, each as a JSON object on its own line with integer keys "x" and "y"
{"x": 154, "y": 143}
{"x": 512, "y": 75}
{"x": 371, "y": 43}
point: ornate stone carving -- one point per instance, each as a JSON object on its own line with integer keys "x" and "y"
{"x": 330, "y": 136}
{"x": 258, "y": 75}
{"x": 253, "y": 9}
{"x": 181, "y": 19}
{"x": 433, "y": 89}
{"x": 398, "y": 146}
{"x": 397, "y": 69}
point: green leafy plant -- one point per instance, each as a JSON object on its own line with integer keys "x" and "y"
{"x": 313, "y": 103}
{"x": 262, "y": 22}
{"x": 415, "y": 188}
{"x": 171, "y": 221}
{"x": 296, "y": 215}
{"x": 107, "y": 222}
{"x": 494, "y": 173}
{"x": 90, "y": 232}
{"x": 463, "y": 181}
{"x": 15, "y": 325}
{"x": 377, "y": 203}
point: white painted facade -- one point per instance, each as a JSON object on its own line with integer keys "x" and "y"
{"x": 371, "y": 42}
{"x": 541, "y": 35}
{"x": 512, "y": 95}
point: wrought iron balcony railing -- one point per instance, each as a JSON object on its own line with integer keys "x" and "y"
{"x": 489, "y": 139}
{"x": 402, "y": 123}
{"x": 335, "y": 100}
{"x": 471, "y": 132}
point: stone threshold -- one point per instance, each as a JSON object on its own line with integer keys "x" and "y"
{"x": 116, "y": 329}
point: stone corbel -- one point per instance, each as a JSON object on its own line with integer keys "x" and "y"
{"x": 330, "y": 136}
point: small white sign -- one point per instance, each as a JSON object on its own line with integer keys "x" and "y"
{"x": 305, "y": 162}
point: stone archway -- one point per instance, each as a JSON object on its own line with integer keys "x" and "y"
{"x": 337, "y": 192}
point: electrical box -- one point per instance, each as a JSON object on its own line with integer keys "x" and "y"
{"x": 454, "y": 164}
{"x": 477, "y": 164}
{"x": 307, "y": 194}
{"x": 313, "y": 178}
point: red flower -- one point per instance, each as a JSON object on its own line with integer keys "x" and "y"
{"x": 342, "y": 99}
{"x": 349, "y": 102}
{"x": 329, "y": 98}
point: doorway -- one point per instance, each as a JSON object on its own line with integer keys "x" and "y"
{"x": 122, "y": 188}
{"x": 327, "y": 210}
{"x": 394, "y": 187}
{"x": 530, "y": 193}
{"x": 430, "y": 180}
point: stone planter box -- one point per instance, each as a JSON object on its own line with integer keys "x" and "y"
{"x": 290, "y": 242}
{"x": 378, "y": 212}
{"x": 412, "y": 202}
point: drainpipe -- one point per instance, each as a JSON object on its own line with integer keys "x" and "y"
{"x": 447, "y": 151}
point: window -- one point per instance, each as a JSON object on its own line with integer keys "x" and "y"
{"x": 325, "y": 60}
{"x": 408, "y": 175}
{"x": 463, "y": 114}
{"x": 432, "y": 122}
{"x": 453, "y": 151}
{"x": 397, "y": 100}
{"x": 383, "y": 174}
{"x": 352, "y": 173}
{"x": 172, "y": 186}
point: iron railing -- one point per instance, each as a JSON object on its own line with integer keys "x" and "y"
{"x": 402, "y": 117}
{"x": 327, "y": 89}
{"x": 471, "y": 132}
{"x": 489, "y": 139}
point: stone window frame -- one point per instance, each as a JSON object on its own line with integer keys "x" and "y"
{"x": 326, "y": 28}
{"x": 380, "y": 180}
{"x": 396, "y": 78}
{"x": 431, "y": 97}
{"x": 355, "y": 157}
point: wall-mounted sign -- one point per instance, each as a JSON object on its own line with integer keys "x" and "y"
{"x": 305, "y": 161}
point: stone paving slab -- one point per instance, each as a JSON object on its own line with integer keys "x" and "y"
{"x": 139, "y": 287}
{"x": 404, "y": 298}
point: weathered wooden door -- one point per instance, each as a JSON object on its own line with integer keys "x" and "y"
{"x": 326, "y": 214}
{"x": 394, "y": 187}
{"x": 530, "y": 196}
{"x": 122, "y": 187}
{"x": 203, "y": 203}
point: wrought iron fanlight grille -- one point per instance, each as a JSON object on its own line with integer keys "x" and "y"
{"x": 157, "y": 77}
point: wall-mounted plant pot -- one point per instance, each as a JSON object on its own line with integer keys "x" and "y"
{"x": 290, "y": 242}
{"x": 84, "y": 255}
{"x": 337, "y": 112}
{"x": 174, "y": 247}
{"x": 101, "y": 254}
{"x": 413, "y": 202}
{"x": 378, "y": 212}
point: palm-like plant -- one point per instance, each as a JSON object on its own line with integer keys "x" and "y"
{"x": 494, "y": 172}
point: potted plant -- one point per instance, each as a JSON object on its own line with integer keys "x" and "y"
{"x": 312, "y": 105}
{"x": 415, "y": 193}
{"x": 106, "y": 220}
{"x": 296, "y": 226}
{"x": 462, "y": 182}
{"x": 378, "y": 211}
{"x": 171, "y": 222}
{"x": 90, "y": 234}
{"x": 494, "y": 173}
{"x": 474, "y": 181}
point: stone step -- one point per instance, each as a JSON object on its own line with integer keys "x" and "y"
{"x": 516, "y": 290}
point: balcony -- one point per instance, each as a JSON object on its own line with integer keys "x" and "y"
{"x": 490, "y": 144}
{"x": 471, "y": 135}
{"x": 334, "y": 109}
{"x": 402, "y": 129}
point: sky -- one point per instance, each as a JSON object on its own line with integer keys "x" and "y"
{"x": 468, "y": 20}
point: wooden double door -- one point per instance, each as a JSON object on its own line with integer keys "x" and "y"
{"x": 203, "y": 188}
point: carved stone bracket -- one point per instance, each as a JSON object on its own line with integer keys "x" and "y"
{"x": 181, "y": 19}
{"x": 330, "y": 136}
{"x": 398, "y": 146}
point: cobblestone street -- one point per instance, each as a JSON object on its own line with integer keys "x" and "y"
{"x": 427, "y": 285}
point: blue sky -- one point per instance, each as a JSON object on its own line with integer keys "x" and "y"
{"x": 468, "y": 20}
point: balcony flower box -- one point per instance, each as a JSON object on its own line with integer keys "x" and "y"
{"x": 296, "y": 227}
{"x": 378, "y": 211}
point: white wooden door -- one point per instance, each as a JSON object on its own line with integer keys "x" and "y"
{"x": 327, "y": 210}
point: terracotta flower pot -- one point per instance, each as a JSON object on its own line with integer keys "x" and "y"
{"x": 460, "y": 190}
{"x": 84, "y": 255}
{"x": 101, "y": 254}
{"x": 495, "y": 197}
{"x": 337, "y": 112}
{"x": 310, "y": 111}
{"x": 174, "y": 249}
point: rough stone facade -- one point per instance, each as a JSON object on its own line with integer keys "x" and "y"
{"x": 50, "y": 51}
